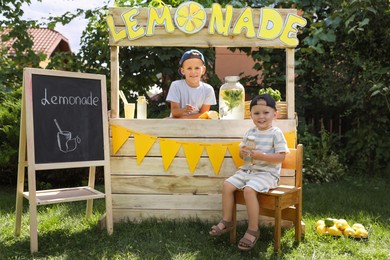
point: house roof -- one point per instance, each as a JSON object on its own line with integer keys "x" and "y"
{"x": 45, "y": 40}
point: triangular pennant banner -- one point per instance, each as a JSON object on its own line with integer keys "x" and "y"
{"x": 119, "y": 137}
{"x": 193, "y": 151}
{"x": 234, "y": 150}
{"x": 216, "y": 154}
{"x": 168, "y": 149}
{"x": 143, "y": 143}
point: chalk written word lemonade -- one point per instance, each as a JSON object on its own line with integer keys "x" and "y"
{"x": 191, "y": 17}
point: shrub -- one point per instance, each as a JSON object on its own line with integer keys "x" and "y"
{"x": 321, "y": 163}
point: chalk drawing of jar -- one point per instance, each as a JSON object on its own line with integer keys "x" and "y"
{"x": 65, "y": 141}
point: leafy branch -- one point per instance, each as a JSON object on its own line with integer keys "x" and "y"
{"x": 233, "y": 98}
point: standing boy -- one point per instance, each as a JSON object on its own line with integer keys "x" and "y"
{"x": 190, "y": 97}
{"x": 271, "y": 148}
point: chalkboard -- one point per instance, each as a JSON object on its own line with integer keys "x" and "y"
{"x": 67, "y": 117}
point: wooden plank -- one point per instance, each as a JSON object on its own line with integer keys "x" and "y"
{"x": 201, "y": 39}
{"x": 179, "y": 167}
{"x": 168, "y": 202}
{"x": 212, "y": 216}
{"x": 142, "y": 17}
{"x": 114, "y": 57}
{"x": 290, "y": 83}
{"x": 166, "y": 185}
{"x": 173, "y": 184}
{"x": 195, "y": 128}
{"x": 128, "y": 148}
{"x": 64, "y": 195}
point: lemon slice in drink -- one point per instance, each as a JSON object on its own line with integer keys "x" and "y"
{"x": 190, "y": 17}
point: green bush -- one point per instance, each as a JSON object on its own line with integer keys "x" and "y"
{"x": 9, "y": 135}
{"x": 321, "y": 163}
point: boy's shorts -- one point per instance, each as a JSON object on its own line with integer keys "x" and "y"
{"x": 259, "y": 181}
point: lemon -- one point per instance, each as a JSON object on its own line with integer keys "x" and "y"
{"x": 205, "y": 115}
{"x": 321, "y": 229}
{"x": 361, "y": 232}
{"x": 209, "y": 115}
{"x": 357, "y": 226}
{"x": 342, "y": 224}
{"x": 320, "y": 222}
{"x": 334, "y": 231}
{"x": 349, "y": 232}
{"x": 329, "y": 222}
{"x": 190, "y": 17}
{"x": 213, "y": 114}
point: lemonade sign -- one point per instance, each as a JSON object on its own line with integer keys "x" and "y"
{"x": 190, "y": 18}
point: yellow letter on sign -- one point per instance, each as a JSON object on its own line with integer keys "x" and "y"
{"x": 164, "y": 19}
{"x": 245, "y": 20}
{"x": 289, "y": 34}
{"x": 270, "y": 25}
{"x": 133, "y": 29}
{"x": 217, "y": 21}
{"x": 115, "y": 35}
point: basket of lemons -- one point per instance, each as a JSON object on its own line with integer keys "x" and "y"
{"x": 340, "y": 227}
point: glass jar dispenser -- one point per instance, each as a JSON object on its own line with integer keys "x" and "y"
{"x": 232, "y": 99}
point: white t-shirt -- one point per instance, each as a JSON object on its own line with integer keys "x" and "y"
{"x": 183, "y": 94}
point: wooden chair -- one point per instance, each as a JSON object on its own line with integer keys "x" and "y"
{"x": 284, "y": 202}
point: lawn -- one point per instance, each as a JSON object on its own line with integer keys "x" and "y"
{"x": 64, "y": 233}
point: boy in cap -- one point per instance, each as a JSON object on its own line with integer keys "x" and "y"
{"x": 190, "y": 97}
{"x": 264, "y": 173}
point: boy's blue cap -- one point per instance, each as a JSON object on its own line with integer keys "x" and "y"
{"x": 269, "y": 101}
{"x": 191, "y": 54}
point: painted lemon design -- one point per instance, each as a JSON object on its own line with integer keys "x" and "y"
{"x": 190, "y": 17}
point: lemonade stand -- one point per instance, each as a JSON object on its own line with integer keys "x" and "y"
{"x": 173, "y": 169}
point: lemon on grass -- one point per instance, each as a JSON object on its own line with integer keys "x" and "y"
{"x": 321, "y": 229}
{"x": 320, "y": 222}
{"x": 342, "y": 224}
{"x": 349, "y": 232}
{"x": 334, "y": 231}
{"x": 361, "y": 232}
{"x": 190, "y": 17}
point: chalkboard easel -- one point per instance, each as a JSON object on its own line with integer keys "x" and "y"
{"x": 63, "y": 125}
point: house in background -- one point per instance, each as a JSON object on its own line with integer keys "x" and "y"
{"x": 228, "y": 63}
{"x": 45, "y": 41}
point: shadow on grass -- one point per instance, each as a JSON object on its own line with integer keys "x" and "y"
{"x": 151, "y": 239}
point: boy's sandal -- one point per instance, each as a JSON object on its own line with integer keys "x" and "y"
{"x": 245, "y": 244}
{"x": 217, "y": 231}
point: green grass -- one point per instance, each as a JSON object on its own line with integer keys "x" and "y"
{"x": 64, "y": 233}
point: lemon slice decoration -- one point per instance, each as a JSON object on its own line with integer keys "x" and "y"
{"x": 190, "y": 17}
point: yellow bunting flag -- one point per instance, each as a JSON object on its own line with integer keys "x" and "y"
{"x": 234, "y": 150}
{"x": 143, "y": 143}
{"x": 119, "y": 137}
{"x": 216, "y": 154}
{"x": 193, "y": 151}
{"x": 168, "y": 149}
{"x": 291, "y": 138}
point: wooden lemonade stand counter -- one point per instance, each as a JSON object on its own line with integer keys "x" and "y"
{"x": 172, "y": 169}
{"x": 146, "y": 190}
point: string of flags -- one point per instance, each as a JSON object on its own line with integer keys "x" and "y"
{"x": 192, "y": 150}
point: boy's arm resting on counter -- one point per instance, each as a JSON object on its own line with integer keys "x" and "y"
{"x": 178, "y": 112}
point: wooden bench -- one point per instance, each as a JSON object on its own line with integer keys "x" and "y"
{"x": 284, "y": 202}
